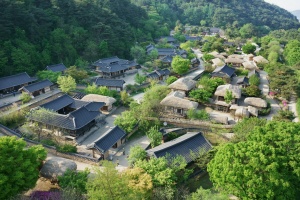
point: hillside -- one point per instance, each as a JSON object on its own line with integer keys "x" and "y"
{"x": 221, "y": 13}
{"x": 296, "y": 13}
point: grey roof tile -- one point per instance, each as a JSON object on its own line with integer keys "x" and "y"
{"x": 15, "y": 80}
{"x": 37, "y": 86}
{"x": 109, "y": 82}
{"x": 109, "y": 139}
{"x": 57, "y": 67}
{"x": 223, "y": 71}
{"x": 59, "y": 103}
{"x": 184, "y": 145}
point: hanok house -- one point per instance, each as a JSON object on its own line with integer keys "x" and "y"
{"x": 187, "y": 145}
{"x": 176, "y": 105}
{"x": 112, "y": 84}
{"x": 243, "y": 81}
{"x": 160, "y": 74}
{"x": 260, "y": 60}
{"x": 234, "y": 60}
{"x": 113, "y": 66}
{"x": 68, "y": 116}
{"x": 217, "y": 62}
{"x": 249, "y": 65}
{"x": 109, "y": 101}
{"x": 184, "y": 84}
{"x": 114, "y": 138}
{"x": 57, "y": 68}
{"x": 168, "y": 39}
{"x": 162, "y": 52}
{"x": 220, "y": 94}
{"x": 258, "y": 103}
{"x": 217, "y": 55}
{"x": 192, "y": 38}
{"x": 35, "y": 89}
{"x": 225, "y": 72}
{"x": 13, "y": 83}
{"x": 167, "y": 60}
{"x": 253, "y": 72}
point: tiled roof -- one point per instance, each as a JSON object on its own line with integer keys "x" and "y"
{"x": 109, "y": 139}
{"x": 192, "y": 38}
{"x": 167, "y": 58}
{"x": 15, "y": 80}
{"x": 109, "y": 82}
{"x": 59, "y": 103}
{"x": 37, "y": 86}
{"x": 224, "y": 71}
{"x": 57, "y": 68}
{"x": 74, "y": 120}
{"x": 183, "y": 146}
{"x": 165, "y": 51}
{"x": 158, "y": 73}
{"x": 168, "y": 38}
{"x": 243, "y": 80}
{"x": 113, "y": 64}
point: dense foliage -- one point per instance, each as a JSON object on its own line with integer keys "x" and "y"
{"x": 75, "y": 180}
{"x": 19, "y": 169}
{"x": 265, "y": 166}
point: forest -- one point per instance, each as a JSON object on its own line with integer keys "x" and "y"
{"x": 37, "y": 33}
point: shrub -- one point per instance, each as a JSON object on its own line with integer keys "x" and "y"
{"x": 284, "y": 115}
{"x": 241, "y": 72}
{"x": 171, "y": 79}
{"x": 66, "y": 148}
{"x": 251, "y": 91}
{"x": 25, "y": 97}
{"x": 266, "y": 110}
{"x": 298, "y": 106}
{"x": 74, "y": 179}
{"x": 197, "y": 114}
{"x": 48, "y": 142}
{"x": 254, "y": 80}
{"x": 13, "y": 119}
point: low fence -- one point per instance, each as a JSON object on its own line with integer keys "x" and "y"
{"x": 50, "y": 149}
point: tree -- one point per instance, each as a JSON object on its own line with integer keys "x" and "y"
{"x": 75, "y": 180}
{"x": 125, "y": 98}
{"x": 165, "y": 171}
{"x": 180, "y": 65}
{"x": 139, "y": 79}
{"x": 206, "y": 194}
{"x": 136, "y": 153}
{"x": 47, "y": 74}
{"x": 197, "y": 114}
{"x": 108, "y": 183}
{"x": 265, "y": 166}
{"x": 252, "y": 91}
{"x": 244, "y": 127}
{"x": 228, "y": 96}
{"x": 200, "y": 95}
{"x": 247, "y": 31}
{"x": 126, "y": 121}
{"x": 77, "y": 74}
{"x": 66, "y": 83}
{"x": 254, "y": 80}
{"x": 153, "y": 54}
{"x": 249, "y": 48}
{"x": 208, "y": 57}
{"x": 171, "y": 79}
{"x": 19, "y": 169}
{"x": 25, "y": 97}
{"x": 138, "y": 53}
{"x": 154, "y": 136}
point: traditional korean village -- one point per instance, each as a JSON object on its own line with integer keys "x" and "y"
{"x": 171, "y": 111}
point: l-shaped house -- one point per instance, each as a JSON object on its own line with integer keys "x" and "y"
{"x": 225, "y": 72}
{"x": 113, "y": 66}
{"x": 57, "y": 68}
{"x": 220, "y": 94}
{"x": 184, "y": 84}
{"x": 37, "y": 88}
{"x": 67, "y": 116}
{"x": 111, "y": 84}
{"x": 13, "y": 83}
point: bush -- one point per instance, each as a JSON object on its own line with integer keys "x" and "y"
{"x": 266, "y": 110}
{"x": 66, "y": 148}
{"x": 25, "y": 97}
{"x": 171, "y": 79}
{"x": 241, "y": 72}
{"x": 251, "y": 91}
{"x": 298, "y": 106}
{"x": 48, "y": 142}
{"x": 284, "y": 115}
{"x": 197, "y": 114}
{"x": 254, "y": 80}
{"x": 73, "y": 179}
{"x": 13, "y": 119}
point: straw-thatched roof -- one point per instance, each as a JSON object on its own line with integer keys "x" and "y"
{"x": 216, "y": 55}
{"x": 249, "y": 65}
{"x": 237, "y": 56}
{"x": 253, "y": 111}
{"x": 234, "y": 60}
{"x": 242, "y": 112}
{"x": 176, "y": 99}
{"x": 184, "y": 84}
{"x": 217, "y": 62}
{"x": 236, "y": 90}
{"x": 99, "y": 98}
{"x": 234, "y": 107}
{"x": 256, "y": 102}
{"x": 260, "y": 59}
{"x": 219, "y": 119}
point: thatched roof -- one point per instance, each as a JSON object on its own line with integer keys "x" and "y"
{"x": 260, "y": 59}
{"x": 217, "y": 62}
{"x": 234, "y": 60}
{"x": 219, "y": 119}
{"x": 176, "y": 99}
{"x": 216, "y": 55}
{"x": 184, "y": 84}
{"x": 236, "y": 90}
{"x": 99, "y": 98}
{"x": 242, "y": 112}
{"x": 250, "y": 55}
{"x": 234, "y": 107}
{"x": 249, "y": 65}
{"x": 237, "y": 56}
{"x": 256, "y": 102}
{"x": 253, "y": 111}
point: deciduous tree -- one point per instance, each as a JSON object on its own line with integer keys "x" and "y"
{"x": 154, "y": 136}
{"x": 19, "y": 169}
{"x": 180, "y": 65}
{"x": 265, "y": 166}
{"x": 66, "y": 83}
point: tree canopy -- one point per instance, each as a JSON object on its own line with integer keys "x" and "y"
{"x": 66, "y": 83}
{"x": 180, "y": 65}
{"x": 265, "y": 166}
{"x": 19, "y": 169}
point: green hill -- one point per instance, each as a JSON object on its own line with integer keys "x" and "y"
{"x": 221, "y": 13}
